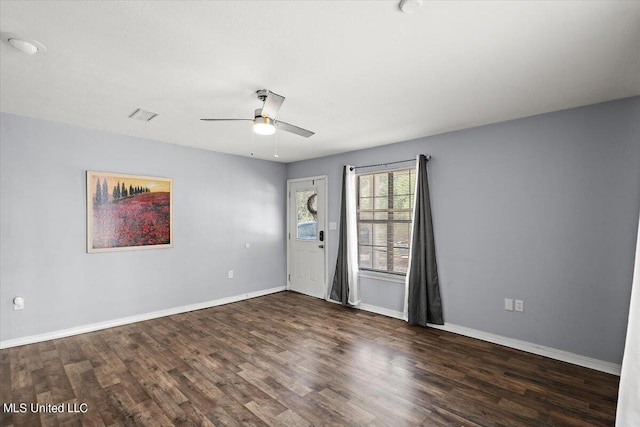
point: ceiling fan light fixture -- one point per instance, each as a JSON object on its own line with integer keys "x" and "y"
{"x": 263, "y": 126}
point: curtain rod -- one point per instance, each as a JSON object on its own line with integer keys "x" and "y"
{"x": 387, "y": 163}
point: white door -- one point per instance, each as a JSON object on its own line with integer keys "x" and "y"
{"x": 307, "y": 232}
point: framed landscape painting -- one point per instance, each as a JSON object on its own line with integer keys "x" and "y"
{"x": 126, "y": 212}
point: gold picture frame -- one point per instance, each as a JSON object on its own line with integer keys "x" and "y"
{"x": 128, "y": 212}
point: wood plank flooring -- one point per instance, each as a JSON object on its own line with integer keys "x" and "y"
{"x": 292, "y": 360}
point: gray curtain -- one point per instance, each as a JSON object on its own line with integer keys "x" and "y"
{"x": 340, "y": 287}
{"x": 423, "y": 288}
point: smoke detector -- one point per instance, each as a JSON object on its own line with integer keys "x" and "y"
{"x": 410, "y": 6}
{"x": 29, "y": 47}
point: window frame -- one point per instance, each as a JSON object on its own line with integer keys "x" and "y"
{"x": 389, "y": 221}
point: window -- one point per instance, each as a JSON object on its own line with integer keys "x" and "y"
{"x": 307, "y": 214}
{"x": 384, "y": 208}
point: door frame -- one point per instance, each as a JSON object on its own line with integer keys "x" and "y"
{"x": 326, "y": 230}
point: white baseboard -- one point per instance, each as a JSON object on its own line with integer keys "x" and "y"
{"x": 552, "y": 353}
{"x": 133, "y": 319}
{"x": 380, "y": 310}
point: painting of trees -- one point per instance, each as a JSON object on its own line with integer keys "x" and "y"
{"x": 136, "y": 214}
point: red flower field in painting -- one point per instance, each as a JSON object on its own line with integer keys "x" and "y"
{"x": 141, "y": 220}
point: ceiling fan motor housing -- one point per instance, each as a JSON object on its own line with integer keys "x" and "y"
{"x": 262, "y": 94}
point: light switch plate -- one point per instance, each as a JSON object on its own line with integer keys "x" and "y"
{"x": 508, "y": 304}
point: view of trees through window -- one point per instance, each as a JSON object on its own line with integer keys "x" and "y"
{"x": 384, "y": 208}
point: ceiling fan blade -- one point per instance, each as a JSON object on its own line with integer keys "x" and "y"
{"x": 293, "y": 129}
{"x": 225, "y": 120}
{"x": 272, "y": 105}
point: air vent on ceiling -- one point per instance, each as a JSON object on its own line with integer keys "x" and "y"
{"x": 143, "y": 115}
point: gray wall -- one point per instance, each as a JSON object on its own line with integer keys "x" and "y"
{"x": 221, "y": 202}
{"x": 543, "y": 209}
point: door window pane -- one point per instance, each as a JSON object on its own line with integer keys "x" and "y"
{"x": 307, "y": 214}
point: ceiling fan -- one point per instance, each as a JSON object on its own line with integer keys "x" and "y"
{"x": 264, "y": 120}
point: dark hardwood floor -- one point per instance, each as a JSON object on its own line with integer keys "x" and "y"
{"x": 288, "y": 359}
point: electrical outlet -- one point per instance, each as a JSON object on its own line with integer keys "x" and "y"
{"x": 508, "y": 304}
{"x": 519, "y": 305}
{"x": 230, "y": 274}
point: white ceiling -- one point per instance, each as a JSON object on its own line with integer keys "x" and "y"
{"x": 358, "y": 73}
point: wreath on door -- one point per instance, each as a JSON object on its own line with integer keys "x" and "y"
{"x": 312, "y": 205}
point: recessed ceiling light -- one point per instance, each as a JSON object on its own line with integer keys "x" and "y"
{"x": 30, "y": 47}
{"x": 410, "y": 6}
{"x": 143, "y": 115}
